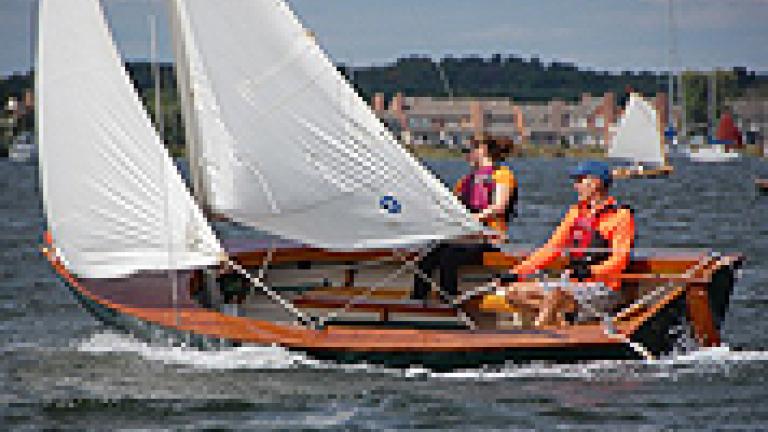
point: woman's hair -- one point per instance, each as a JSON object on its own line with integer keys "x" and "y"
{"x": 498, "y": 147}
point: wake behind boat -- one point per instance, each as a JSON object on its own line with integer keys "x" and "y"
{"x": 280, "y": 142}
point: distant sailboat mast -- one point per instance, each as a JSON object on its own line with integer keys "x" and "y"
{"x": 712, "y": 106}
{"x": 670, "y": 126}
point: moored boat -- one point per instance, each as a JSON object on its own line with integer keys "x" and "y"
{"x": 721, "y": 144}
{"x": 713, "y": 153}
{"x": 23, "y": 149}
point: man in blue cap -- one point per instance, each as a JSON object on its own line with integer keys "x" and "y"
{"x": 595, "y": 236}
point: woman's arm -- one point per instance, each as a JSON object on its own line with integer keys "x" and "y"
{"x": 500, "y": 202}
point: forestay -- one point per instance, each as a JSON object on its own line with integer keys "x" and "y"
{"x": 308, "y": 159}
{"x": 114, "y": 200}
{"x": 638, "y": 137}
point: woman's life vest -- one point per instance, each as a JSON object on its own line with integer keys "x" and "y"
{"x": 477, "y": 191}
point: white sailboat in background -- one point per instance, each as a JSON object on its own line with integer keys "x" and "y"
{"x": 638, "y": 140}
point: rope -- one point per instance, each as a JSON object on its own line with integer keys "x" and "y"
{"x": 258, "y": 283}
{"x": 365, "y": 294}
{"x": 644, "y": 300}
{"x": 608, "y": 323}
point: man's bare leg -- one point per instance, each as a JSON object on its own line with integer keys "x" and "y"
{"x": 554, "y": 306}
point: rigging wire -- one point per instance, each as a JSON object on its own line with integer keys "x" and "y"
{"x": 409, "y": 263}
{"x": 258, "y": 283}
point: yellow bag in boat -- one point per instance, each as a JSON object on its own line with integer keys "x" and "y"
{"x": 497, "y": 303}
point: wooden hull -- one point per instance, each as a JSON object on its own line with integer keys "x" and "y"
{"x": 142, "y": 306}
{"x": 637, "y": 172}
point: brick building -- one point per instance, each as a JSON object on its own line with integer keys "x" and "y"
{"x": 452, "y": 122}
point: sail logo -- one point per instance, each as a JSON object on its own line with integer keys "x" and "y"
{"x": 390, "y": 204}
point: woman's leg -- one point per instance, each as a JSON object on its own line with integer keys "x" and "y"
{"x": 427, "y": 265}
{"x": 458, "y": 255}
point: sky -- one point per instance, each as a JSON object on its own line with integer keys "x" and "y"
{"x": 608, "y": 35}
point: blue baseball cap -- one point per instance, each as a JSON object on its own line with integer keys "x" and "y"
{"x": 597, "y": 169}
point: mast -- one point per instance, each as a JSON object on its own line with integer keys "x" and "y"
{"x": 159, "y": 122}
{"x": 671, "y": 74}
{"x": 711, "y": 113}
{"x": 33, "y": 40}
{"x": 187, "y": 96}
{"x": 33, "y": 29}
{"x": 683, "y": 113}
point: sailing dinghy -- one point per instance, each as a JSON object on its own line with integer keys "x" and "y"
{"x": 638, "y": 140}
{"x": 282, "y": 143}
{"x": 720, "y": 144}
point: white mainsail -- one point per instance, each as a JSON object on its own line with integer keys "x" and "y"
{"x": 287, "y": 144}
{"x": 115, "y": 202}
{"x": 638, "y": 137}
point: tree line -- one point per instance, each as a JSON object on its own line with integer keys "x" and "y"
{"x": 497, "y": 76}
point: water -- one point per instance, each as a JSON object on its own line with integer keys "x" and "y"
{"x": 62, "y": 370}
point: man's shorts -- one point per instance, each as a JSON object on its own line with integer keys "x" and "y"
{"x": 594, "y": 300}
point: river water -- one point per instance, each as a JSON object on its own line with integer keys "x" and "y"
{"x": 60, "y": 369}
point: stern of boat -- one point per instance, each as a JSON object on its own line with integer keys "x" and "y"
{"x": 694, "y": 308}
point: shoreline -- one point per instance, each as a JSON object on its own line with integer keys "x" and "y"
{"x": 531, "y": 151}
{"x": 442, "y": 153}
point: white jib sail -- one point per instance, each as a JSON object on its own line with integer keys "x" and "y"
{"x": 114, "y": 200}
{"x": 637, "y": 137}
{"x": 308, "y": 158}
